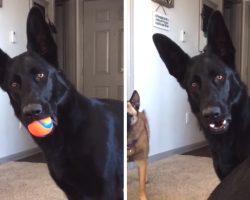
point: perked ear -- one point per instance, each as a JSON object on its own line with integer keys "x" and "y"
{"x": 219, "y": 41}
{"x": 40, "y": 38}
{"x": 172, "y": 55}
{"x": 135, "y": 100}
{"x": 3, "y": 60}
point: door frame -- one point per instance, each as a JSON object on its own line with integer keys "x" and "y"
{"x": 245, "y": 37}
{"x": 79, "y": 45}
{"x": 128, "y": 48}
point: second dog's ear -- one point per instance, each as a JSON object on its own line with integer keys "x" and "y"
{"x": 40, "y": 38}
{"x": 135, "y": 100}
{"x": 172, "y": 55}
{"x": 219, "y": 41}
{"x": 3, "y": 61}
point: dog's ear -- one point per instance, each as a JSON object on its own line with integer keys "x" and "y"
{"x": 40, "y": 38}
{"x": 135, "y": 100}
{"x": 172, "y": 55}
{"x": 219, "y": 41}
{"x": 3, "y": 61}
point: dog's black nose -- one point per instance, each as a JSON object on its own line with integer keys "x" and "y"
{"x": 32, "y": 110}
{"x": 212, "y": 112}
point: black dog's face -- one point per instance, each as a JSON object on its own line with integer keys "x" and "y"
{"x": 32, "y": 85}
{"x": 210, "y": 80}
{"x": 212, "y": 89}
{"x": 33, "y": 82}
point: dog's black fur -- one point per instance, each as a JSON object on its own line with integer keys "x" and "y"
{"x": 216, "y": 94}
{"x": 235, "y": 186}
{"x": 84, "y": 152}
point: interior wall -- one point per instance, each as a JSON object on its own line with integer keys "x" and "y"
{"x": 245, "y": 48}
{"x": 51, "y": 10}
{"x": 13, "y": 15}
{"x": 163, "y": 99}
{"x": 51, "y": 7}
{"x": 59, "y": 19}
{"x": 202, "y": 39}
{"x": 66, "y": 37}
{"x": 233, "y": 19}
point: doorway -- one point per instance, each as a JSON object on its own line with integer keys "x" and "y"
{"x": 90, "y": 45}
{"x": 65, "y": 20}
{"x": 232, "y": 12}
{"x": 246, "y": 45}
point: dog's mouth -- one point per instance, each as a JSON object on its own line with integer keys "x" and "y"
{"x": 37, "y": 118}
{"x": 41, "y": 126}
{"x": 54, "y": 119}
{"x": 219, "y": 126}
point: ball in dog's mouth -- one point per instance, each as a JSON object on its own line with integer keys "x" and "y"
{"x": 42, "y": 127}
{"x": 219, "y": 126}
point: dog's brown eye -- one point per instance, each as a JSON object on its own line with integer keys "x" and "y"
{"x": 14, "y": 85}
{"x": 40, "y": 76}
{"x": 194, "y": 85}
{"x": 219, "y": 77}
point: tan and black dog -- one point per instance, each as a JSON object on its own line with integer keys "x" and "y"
{"x": 138, "y": 140}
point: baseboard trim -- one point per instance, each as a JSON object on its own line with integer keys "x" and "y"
{"x": 20, "y": 155}
{"x": 152, "y": 158}
{"x": 180, "y": 150}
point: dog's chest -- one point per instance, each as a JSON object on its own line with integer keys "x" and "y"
{"x": 75, "y": 171}
{"x": 138, "y": 144}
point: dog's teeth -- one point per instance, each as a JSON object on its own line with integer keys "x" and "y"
{"x": 224, "y": 122}
{"x": 212, "y": 125}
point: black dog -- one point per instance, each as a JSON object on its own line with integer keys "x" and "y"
{"x": 84, "y": 152}
{"x": 236, "y": 185}
{"x": 216, "y": 94}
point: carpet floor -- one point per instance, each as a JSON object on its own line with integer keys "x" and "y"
{"x": 179, "y": 177}
{"x": 27, "y": 181}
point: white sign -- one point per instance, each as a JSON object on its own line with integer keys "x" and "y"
{"x": 161, "y": 21}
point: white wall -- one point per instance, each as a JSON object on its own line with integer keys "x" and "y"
{"x": 13, "y": 16}
{"x": 161, "y": 96}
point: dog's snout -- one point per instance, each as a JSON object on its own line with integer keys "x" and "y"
{"x": 213, "y": 112}
{"x": 32, "y": 110}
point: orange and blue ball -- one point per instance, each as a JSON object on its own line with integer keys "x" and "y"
{"x": 41, "y": 128}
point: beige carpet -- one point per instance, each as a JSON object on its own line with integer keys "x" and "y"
{"x": 27, "y": 181}
{"x": 179, "y": 177}
{"x": 175, "y": 178}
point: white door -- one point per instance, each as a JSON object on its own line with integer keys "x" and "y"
{"x": 103, "y": 49}
{"x": 248, "y": 47}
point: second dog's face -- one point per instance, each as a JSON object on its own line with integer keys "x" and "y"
{"x": 131, "y": 115}
{"x": 133, "y": 106}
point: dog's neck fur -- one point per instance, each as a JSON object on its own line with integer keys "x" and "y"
{"x": 134, "y": 129}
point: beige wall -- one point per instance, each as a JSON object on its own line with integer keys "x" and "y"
{"x": 66, "y": 38}
{"x": 13, "y": 139}
{"x": 161, "y": 96}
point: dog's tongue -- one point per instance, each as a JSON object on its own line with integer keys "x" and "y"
{"x": 41, "y": 128}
